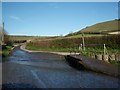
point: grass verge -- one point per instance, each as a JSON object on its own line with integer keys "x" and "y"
{"x": 86, "y": 52}
{"x": 6, "y": 51}
{"x": 115, "y": 62}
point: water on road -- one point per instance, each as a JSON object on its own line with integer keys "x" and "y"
{"x": 45, "y": 70}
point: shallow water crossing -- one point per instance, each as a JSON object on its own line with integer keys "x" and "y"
{"x": 45, "y": 70}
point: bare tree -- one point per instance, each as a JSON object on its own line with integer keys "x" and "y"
{"x": 4, "y": 38}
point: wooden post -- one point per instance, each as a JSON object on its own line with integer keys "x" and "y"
{"x": 83, "y": 42}
{"x": 80, "y": 47}
{"x": 104, "y": 50}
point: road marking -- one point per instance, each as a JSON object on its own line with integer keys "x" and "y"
{"x": 40, "y": 81}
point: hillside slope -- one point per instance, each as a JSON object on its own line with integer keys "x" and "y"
{"x": 104, "y": 27}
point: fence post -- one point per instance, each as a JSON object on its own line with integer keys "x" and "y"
{"x": 105, "y": 56}
{"x": 80, "y": 47}
{"x": 104, "y": 50}
{"x": 83, "y": 41}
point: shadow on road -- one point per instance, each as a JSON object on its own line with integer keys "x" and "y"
{"x": 74, "y": 63}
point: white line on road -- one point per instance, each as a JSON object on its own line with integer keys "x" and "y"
{"x": 40, "y": 81}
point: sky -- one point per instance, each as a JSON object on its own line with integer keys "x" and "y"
{"x": 0, "y": 13}
{"x": 54, "y": 18}
{"x": 60, "y": 0}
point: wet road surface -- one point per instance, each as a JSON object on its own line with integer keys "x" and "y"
{"x": 45, "y": 70}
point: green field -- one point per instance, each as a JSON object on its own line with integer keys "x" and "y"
{"x": 85, "y": 35}
{"x": 99, "y": 28}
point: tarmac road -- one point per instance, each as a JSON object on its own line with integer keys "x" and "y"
{"x": 45, "y": 70}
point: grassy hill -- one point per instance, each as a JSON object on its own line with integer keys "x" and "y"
{"x": 103, "y": 28}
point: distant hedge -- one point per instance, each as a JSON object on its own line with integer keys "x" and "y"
{"x": 112, "y": 41}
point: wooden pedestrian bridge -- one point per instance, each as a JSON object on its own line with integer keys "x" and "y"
{"x": 93, "y": 64}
